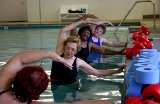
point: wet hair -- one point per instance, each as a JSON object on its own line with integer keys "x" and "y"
{"x": 83, "y": 28}
{"x": 103, "y": 27}
{"x": 74, "y": 39}
{"x": 29, "y": 83}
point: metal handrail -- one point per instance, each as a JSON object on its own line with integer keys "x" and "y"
{"x": 154, "y": 17}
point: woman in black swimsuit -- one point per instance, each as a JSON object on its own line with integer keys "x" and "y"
{"x": 64, "y": 79}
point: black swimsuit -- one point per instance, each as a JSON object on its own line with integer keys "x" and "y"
{"x": 83, "y": 53}
{"x": 61, "y": 75}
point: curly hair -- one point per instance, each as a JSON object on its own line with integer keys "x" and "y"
{"x": 83, "y": 28}
{"x": 29, "y": 83}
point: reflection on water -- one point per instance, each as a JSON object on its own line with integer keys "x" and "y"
{"x": 89, "y": 87}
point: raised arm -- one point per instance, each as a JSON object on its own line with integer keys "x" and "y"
{"x": 99, "y": 22}
{"x": 90, "y": 70}
{"x": 62, "y": 36}
{"x": 91, "y": 16}
{"x": 85, "y": 17}
{"x": 104, "y": 51}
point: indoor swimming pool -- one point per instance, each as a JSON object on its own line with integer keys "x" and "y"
{"x": 14, "y": 39}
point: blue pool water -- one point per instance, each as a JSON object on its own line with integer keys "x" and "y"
{"x": 15, "y": 39}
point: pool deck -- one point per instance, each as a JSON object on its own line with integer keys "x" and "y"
{"x": 156, "y": 42}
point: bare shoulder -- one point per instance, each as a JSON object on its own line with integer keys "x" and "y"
{"x": 6, "y": 76}
{"x": 81, "y": 63}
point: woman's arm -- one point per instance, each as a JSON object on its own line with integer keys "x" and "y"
{"x": 21, "y": 59}
{"x": 85, "y": 17}
{"x": 111, "y": 43}
{"x": 99, "y": 22}
{"x": 27, "y": 57}
{"x": 62, "y": 36}
{"x": 90, "y": 70}
{"x": 104, "y": 51}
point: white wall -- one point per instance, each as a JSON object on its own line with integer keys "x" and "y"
{"x": 13, "y": 10}
{"x": 48, "y": 10}
{"x": 105, "y": 9}
{"x": 33, "y": 11}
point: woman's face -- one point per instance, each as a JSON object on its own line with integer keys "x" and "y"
{"x": 70, "y": 49}
{"x": 98, "y": 31}
{"x": 85, "y": 34}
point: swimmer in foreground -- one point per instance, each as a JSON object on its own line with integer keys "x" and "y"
{"x": 21, "y": 84}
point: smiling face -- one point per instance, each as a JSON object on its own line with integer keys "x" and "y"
{"x": 85, "y": 35}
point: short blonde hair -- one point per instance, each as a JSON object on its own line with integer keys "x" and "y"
{"x": 73, "y": 39}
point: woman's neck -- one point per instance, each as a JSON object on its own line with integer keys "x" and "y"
{"x": 66, "y": 57}
{"x": 84, "y": 42}
{"x": 95, "y": 36}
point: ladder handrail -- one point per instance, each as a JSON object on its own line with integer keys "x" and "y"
{"x": 154, "y": 19}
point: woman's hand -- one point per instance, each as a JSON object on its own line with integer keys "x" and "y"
{"x": 122, "y": 52}
{"x": 121, "y": 68}
{"x": 66, "y": 63}
{"x": 92, "y": 16}
{"x": 58, "y": 58}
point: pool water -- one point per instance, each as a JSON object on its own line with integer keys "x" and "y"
{"x": 90, "y": 87}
